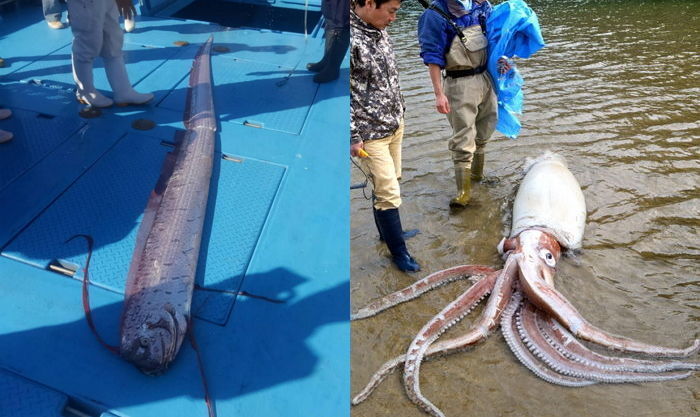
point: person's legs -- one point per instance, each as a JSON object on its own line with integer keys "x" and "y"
{"x": 130, "y": 23}
{"x": 464, "y": 100}
{"x": 382, "y": 169}
{"x": 485, "y": 122}
{"x": 395, "y": 147}
{"x": 113, "y": 57}
{"x": 340, "y": 42}
{"x": 87, "y": 22}
{"x": 389, "y": 223}
{"x": 52, "y": 13}
{"x": 380, "y": 166}
{"x": 318, "y": 66}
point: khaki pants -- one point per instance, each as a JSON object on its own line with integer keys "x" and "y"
{"x": 473, "y": 117}
{"x": 384, "y": 168}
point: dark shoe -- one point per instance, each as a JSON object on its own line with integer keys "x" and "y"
{"x": 5, "y": 136}
{"x": 316, "y": 66}
{"x": 327, "y": 75}
{"x": 56, "y": 24}
{"x": 464, "y": 188}
{"x": 389, "y": 224}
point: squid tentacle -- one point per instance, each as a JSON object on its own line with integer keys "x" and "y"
{"x": 422, "y": 286}
{"x": 522, "y": 353}
{"x": 552, "y": 357}
{"x": 477, "y": 292}
{"x": 558, "y": 337}
{"x": 443, "y": 321}
{"x": 548, "y": 299}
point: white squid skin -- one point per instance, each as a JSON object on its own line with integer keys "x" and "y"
{"x": 550, "y": 198}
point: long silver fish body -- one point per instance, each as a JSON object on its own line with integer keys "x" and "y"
{"x": 161, "y": 277}
{"x": 550, "y": 199}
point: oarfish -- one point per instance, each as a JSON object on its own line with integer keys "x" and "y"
{"x": 161, "y": 277}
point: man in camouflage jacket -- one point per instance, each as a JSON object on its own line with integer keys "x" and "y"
{"x": 376, "y": 122}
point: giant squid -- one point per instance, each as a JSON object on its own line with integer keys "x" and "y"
{"x": 542, "y": 328}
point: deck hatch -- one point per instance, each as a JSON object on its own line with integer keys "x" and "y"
{"x": 246, "y": 191}
{"x": 39, "y": 136}
{"x": 107, "y": 203}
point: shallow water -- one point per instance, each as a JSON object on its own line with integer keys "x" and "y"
{"x": 615, "y": 92}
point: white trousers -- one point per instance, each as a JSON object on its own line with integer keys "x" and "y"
{"x": 96, "y": 30}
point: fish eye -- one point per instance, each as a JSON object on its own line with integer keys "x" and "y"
{"x": 548, "y": 257}
{"x": 144, "y": 341}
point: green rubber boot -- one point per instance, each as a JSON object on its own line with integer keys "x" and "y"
{"x": 464, "y": 188}
{"x": 478, "y": 165}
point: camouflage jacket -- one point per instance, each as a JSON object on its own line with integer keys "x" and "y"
{"x": 376, "y": 103}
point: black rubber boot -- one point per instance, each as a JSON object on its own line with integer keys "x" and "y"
{"x": 340, "y": 41}
{"x": 389, "y": 224}
{"x": 376, "y": 223}
{"x": 407, "y": 234}
{"x": 318, "y": 66}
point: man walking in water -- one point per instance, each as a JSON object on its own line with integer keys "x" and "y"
{"x": 376, "y": 121}
{"x": 452, "y": 36}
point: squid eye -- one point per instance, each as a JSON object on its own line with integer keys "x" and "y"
{"x": 548, "y": 257}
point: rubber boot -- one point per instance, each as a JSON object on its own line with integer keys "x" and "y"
{"x": 340, "y": 42}
{"x": 129, "y": 24}
{"x": 124, "y": 93}
{"x": 318, "y": 66}
{"x": 464, "y": 187}
{"x": 85, "y": 91}
{"x": 478, "y": 165}
{"x": 389, "y": 224}
{"x": 376, "y": 223}
{"x": 407, "y": 234}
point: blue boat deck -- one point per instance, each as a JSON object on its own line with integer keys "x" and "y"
{"x": 277, "y": 224}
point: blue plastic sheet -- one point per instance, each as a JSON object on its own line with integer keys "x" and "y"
{"x": 513, "y": 31}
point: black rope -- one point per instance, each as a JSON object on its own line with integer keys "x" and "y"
{"x": 363, "y": 185}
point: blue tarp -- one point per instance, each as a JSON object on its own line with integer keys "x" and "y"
{"x": 513, "y": 31}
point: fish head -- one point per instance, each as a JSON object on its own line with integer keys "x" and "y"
{"x": 539, "y": 253}
{"x": 152, "y": 342}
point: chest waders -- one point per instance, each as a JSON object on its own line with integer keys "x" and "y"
{"x": 469, "y": 91}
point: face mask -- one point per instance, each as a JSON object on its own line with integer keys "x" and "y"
{"x": 467, "y": 4}
{"x": 459, "y": 8}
